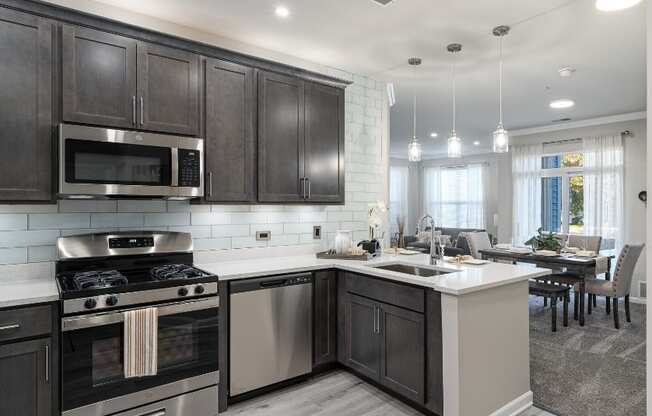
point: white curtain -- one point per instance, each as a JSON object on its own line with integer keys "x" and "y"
{"x": 526, "y": 176}
{"x": 603, "y": 187}
{"x": 454, "y": 196}
{"x": 398, "y": 195}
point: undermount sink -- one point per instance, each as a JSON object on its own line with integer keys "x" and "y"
{"x": 414, "y": 270}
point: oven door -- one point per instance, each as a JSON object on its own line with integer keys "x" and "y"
{"x": 92, "y": 365}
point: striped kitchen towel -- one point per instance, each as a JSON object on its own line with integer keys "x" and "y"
{"x": 141, "y": 342}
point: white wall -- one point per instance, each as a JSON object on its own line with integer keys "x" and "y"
{"x": 649, "y": 212}
{"x": 28, "y": 233}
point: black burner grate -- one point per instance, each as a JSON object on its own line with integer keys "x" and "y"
{"x": 98, "y": 279}
{"x": 175, "y": 271}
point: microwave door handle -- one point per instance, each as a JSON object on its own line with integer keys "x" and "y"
{"x": 142, "y": 111}
{"x": 133, "y": 110}
{"x": 175, "y": 167}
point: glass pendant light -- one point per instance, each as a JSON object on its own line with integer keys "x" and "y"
{"x": 501, "y": 136}
{"x": 414, "y": 147}
{"x": 454, "y": 142}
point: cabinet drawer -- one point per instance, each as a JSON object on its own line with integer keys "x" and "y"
{"x": 25, "y": 322}
{"x": 389, "y": 292}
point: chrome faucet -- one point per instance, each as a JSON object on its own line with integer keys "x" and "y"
{"x": 436, "y": 250}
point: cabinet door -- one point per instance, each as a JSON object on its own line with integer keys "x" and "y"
{"x": 168, "y": 89}
{"x": 25, "y": 378}
{"x": 402, "y": 351}
{"x": 280, "y": 138}
{"x": 26, "y": 142}
{"x": 324, "y": 154}
{"x": 325, "y": 317}
{"x": 99, "y": 78}
{"x": 230, "y": 135}
{"x": 362, "y": 336}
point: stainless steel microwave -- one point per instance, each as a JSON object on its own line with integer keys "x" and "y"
{"x": 107, "y": 163}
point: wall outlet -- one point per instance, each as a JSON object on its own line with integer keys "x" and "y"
{"x": 263, "y": 235}
{"x": 316, "y": 232}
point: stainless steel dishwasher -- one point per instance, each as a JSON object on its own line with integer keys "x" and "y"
{"x": 270, "y": 331}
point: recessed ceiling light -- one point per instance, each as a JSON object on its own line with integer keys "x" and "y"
{"x": 615, "y": 5}
{"x": 476, "y": 143}
{"x": 561, "y": 104}
{"x": 282, "y": 11}
{"x": 566, "y": 72}
{"x": 434, "y": 135}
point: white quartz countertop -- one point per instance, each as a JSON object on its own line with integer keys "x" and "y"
{"x": 465, "y": 279}
{"x": 27, "y": 284}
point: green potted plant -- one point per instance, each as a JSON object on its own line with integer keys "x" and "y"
{"x": 545, "y": 241}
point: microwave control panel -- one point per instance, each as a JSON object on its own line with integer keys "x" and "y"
{"x": 189, "y": 168}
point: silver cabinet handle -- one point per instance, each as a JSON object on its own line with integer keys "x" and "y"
{"x": 9, "y": 327}
{"x": 210, "y": 183}
{"x": 133, "y": 110}
{"x": 47, "y": 363}
{"x": 374, "y": 330}
{"x": 308, "y": 180}
{"x": 303, "y": 187}
{"x": 160, "y": 412}
{"x": 377, "y": 319}
{"x": 142, "y": 111}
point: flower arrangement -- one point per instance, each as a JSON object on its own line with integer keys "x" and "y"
{"x": 376, "y": 219}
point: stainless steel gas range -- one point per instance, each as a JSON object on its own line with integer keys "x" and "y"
{"x": 102, "y": 277}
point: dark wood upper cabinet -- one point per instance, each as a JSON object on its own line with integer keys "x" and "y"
{"x": 325, "y": 317}
{"x": 25, "y": 377}
{"x": 26, "y": 139}
{"x": 168, "y": 89}
{"x": 281, "y": 128}
{"x": 99, "y": 78}
{"x": 324, "y": 154}
{"x": 230, "y": 132}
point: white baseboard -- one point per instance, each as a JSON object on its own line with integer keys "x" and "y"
{"x": 516, "y": 406}
{"x": 642, "y": 301}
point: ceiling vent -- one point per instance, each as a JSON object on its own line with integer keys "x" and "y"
{"x": 382, "y": 2}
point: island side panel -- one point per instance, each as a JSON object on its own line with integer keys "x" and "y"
{"x": 486, "y": 345}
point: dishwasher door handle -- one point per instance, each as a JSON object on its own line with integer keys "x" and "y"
{"x": 274, "y": 283}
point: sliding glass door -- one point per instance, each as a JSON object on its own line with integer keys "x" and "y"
{"x": 562, "y": 193}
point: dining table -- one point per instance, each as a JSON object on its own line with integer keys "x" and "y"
{"x": 582, "y": 267}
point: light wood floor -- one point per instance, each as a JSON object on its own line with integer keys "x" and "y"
{"x": 334, "y": 394}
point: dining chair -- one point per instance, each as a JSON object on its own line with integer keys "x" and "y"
{"x": 620, "y": 286}
{"x": 585, "y": 242}
{"x": 478, "y": 241}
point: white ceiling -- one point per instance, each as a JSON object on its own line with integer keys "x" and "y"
{"x": 607, "y": 49}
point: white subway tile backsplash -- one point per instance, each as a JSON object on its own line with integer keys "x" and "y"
{"x": 247, "y": 242}
{"x": 167, "y": 219}
{"x": 297, "y": 228}
{"x": 340, "y": 216}
{"x": 141, "y": 206}
{"x": 13, "y": 255}
{"x": 27, "y": 238}
{"x": 27, "y": 209}
{"x": 13, "y": 222}
{"x": 284, "y": 240}
{"x": 178, "y": 206}
{"x": 71, "y": 205}
{"x": 313, "y": 216}
{"x": 231, "y": 208}
{"x": 41, "y": 253}
{"x": 115, "y": 220}
{"x": 249, "y": 218}
{"x": 58, "y": 221}
{"x": 275, "y": 229}
{"x": 280, "y": 217}
{"x": 209, "y": 218}
{"x": 212, "y": 244}
{"x": 197, "y": 231}
{"x": 234, "y": 230}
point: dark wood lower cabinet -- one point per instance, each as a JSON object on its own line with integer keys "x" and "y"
{"x": 362, "y": 342}
{"x": 325, "y": 318}
{"x": 402, "y": 344}
{"x": 25, "y": 378}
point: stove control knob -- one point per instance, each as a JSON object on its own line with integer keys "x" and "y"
{"x": 112, "y": 300}
{"x": 199, "y": 289}
{"x": 183, "y": 291}
{"x": 90, "y": 303}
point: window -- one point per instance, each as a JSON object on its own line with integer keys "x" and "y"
{"x": 454, "y": 196}
{"x": 398, "y": 198}
{"x": 562, "y": 193}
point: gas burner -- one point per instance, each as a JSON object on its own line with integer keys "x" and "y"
{"x": 175, "y": 271}
{"x": 98, "y": 279}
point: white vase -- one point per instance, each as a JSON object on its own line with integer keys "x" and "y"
{"x": 343, "y": 242}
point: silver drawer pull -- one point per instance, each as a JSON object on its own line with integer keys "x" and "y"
{"x": 160, "y": 412}
{"x": 9, "y": 327}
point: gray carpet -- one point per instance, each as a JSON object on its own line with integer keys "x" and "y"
{"x": 591, "y": 370}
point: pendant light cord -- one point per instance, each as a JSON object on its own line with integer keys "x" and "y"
{"x": 414, "y": 115}
{"x": 500, "y": 78}
{"x": 454, "y": 93}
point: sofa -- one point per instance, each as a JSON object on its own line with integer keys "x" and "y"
{"x": 459, "y": 245}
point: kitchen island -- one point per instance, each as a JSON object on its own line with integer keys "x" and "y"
{"x": 469, "y": 325}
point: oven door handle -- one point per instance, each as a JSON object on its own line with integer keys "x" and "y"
{"x": 107, "y": 318}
